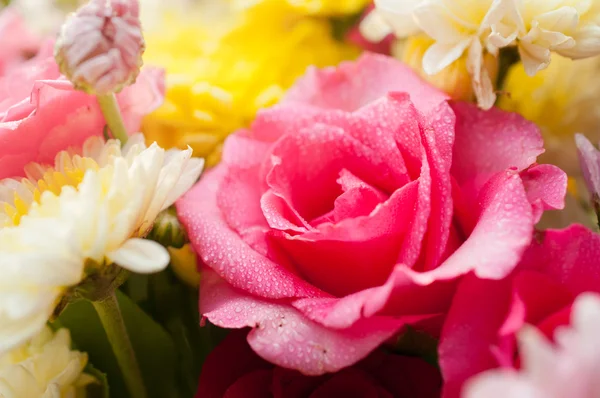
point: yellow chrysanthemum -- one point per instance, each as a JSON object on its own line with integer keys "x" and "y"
{"x": 563, "y": 99}
{"x": 222, "y": 71}
{"x": 314, "y": 7}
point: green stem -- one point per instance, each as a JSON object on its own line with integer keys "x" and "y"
{"x": 112, "y": 321}
{"x": 112, "y": 115}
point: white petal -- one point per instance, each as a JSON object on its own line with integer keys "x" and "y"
{"x": 374, "y": 27}
{"x": 564, "y": 19}
{"x": 534, "y": 57}
{"x": 435, "y": 20}
{"x": 141, "y": 255}
{"x": 480, "y": 77}
{"x": 587, "y": 43}
{"x": 189, "y": 175}
{"x": 438, "y": 56}
{"x": 399, "y": 15}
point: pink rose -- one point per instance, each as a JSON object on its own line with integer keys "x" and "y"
{"x": 41, "y": 114}
{"x": 479, "y": 333}
{"x": 232, "y": 370}
{"x": 17, "y": 42}
{"x": 350, "y": 209}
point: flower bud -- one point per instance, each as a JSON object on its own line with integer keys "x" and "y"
{"x": 100, "y": 46}
{"x": 455, "y": 79}
{"x": 167, "y": 230}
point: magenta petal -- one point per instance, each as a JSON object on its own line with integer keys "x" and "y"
{"x": 352, "y": 85}
{"x": 281, "y": 334}
{"x": 570, "y": 256}
{"x": 478, "y": 310}
{"x": 241, "y": 265}
{"x": 488, "y": 142}
{"x": 546, "y": 187}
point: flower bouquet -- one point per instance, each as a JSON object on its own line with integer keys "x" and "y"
{"x": 299, "y": 198}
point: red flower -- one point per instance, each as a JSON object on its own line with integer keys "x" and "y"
{"x": 233, "y": 370}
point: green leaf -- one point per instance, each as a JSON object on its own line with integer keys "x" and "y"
{"x": 154, "y": 348}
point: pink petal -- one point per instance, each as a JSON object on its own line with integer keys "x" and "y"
{"x": 17, "y": 42}
{"x": 352, "y": 85}
{"x": 62, "y": 118}
{"x": 437, "y": 138}
{"x": 569, "y": 256}
{"x": 399, "y": 296}
{"x": 546, "y": 187}
{"x": 239, "y": 263}
{"x": 283, "y": 336}
{"x": 471, "y": 330}
{"x": 502, "y": 234}
{"x": 356, "y": 253}
{"x": 488, "y": 142}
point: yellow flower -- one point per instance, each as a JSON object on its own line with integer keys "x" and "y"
{"x": 44, "y": 367}
{"x": 71, "y": 220}
{"x": 222, "y": 71}
{"x": 185, "y": 265}
{"x": 562, "y": 100}
{"x": 315, "y": 7}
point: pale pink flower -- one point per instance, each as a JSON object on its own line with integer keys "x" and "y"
{"x": 41, "y": 114}
{"x": 17, "y": 42}
{"x": 100, "y": 46}
{"x": 567, "y": 368}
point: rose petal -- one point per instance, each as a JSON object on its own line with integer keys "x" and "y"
{"x": 488, "y": 142}
{"x": 352, "y": 85}
{"x": 546, "y": 187}
{"x": 283, "y": 336}
{"x": 241, "y": 266}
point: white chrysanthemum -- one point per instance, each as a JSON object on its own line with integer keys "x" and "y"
{"x": 44, "y": 367}
{"x": 87, "y": 211}
{"x": 567, "y": 369}
{"x": 537, "y": 27}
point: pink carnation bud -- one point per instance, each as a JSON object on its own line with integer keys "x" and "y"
{"x": 100, "y": 46}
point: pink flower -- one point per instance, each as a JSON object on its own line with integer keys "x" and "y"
{"x": 100, "y": 46}
{"x": 349, "y": 211}
{"x": 485, "y": 316}
{"x": 564, "y": 370}
{"x": 41, "y": 114}
{"x": 17, "y": 42}
{"x": 232, "y": 370}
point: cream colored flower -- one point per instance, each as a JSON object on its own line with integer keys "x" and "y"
{"x": 476, "y": 27}
{"x": 88, "y": 210}
{"x": 568, "y": 368}
{"x": 44, "y": 367}
{"x": 539, "y": 27}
